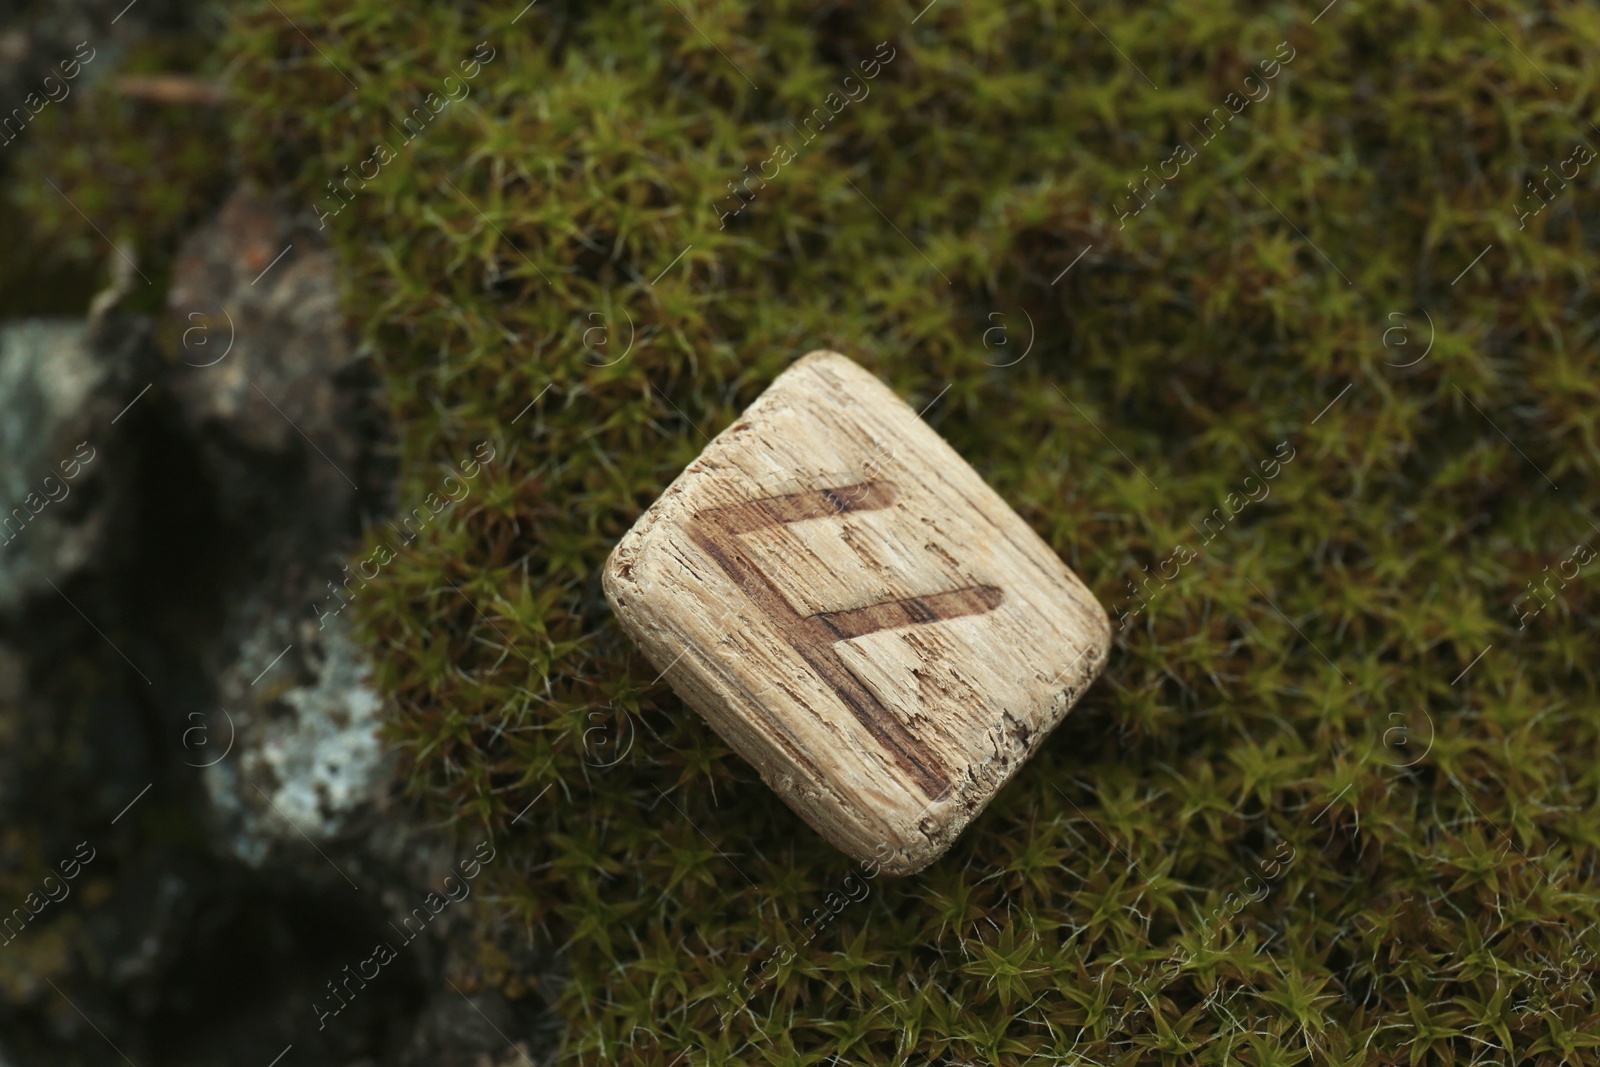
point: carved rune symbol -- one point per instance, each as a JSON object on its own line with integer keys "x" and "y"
{"x": 815, "y": 637}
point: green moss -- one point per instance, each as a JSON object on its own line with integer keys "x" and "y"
{"x": 1420, "y": 901}
{"x": 101, "y": 167}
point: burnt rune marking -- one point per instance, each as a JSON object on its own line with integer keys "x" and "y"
{"x": 815, "y": 637}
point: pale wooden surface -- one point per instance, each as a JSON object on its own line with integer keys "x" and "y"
{"x": 857, "y": 614}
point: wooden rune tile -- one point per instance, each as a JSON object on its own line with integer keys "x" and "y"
{"x": 857, "y": 613}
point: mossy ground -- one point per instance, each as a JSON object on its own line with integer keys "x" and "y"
{"x": 1291, "y": 714}
{"x": 100, "y": 166}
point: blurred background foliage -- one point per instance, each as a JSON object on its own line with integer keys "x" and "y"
{"x": 142, "y": 170}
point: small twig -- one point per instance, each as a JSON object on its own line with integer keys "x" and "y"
{"x": 171, "y": 89}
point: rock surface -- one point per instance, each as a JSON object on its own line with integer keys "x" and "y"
{"x": 305, "y": 725}
{"x": 58, "y": 395}
{"x": 267, "y": 381}
{"x": 171, "y": 696}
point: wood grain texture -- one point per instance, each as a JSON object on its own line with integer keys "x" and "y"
{"x": 857, "y": 613}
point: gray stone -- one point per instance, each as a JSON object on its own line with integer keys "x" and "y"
{"x": 211, "y": 673}
{"x": 50, "y": 374}
{"x": 306, "y": 762}
{"x": 262, "y": 382}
